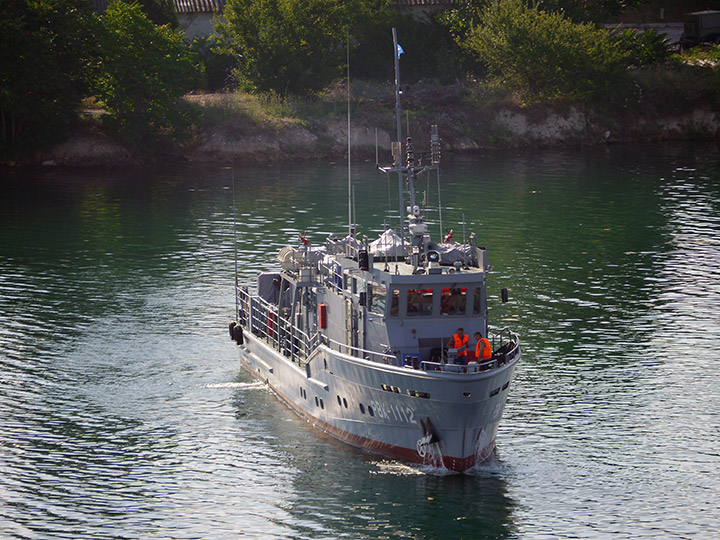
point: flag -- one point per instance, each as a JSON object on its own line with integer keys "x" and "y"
{"x": 399, "y": 50}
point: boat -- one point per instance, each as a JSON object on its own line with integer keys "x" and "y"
{"x": 357, "y": 336}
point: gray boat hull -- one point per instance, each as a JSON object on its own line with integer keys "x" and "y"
{"x": 437, "y": 418}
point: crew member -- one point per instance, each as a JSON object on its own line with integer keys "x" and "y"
{"x": 459, "y": 341}
{"x": 483, "y": 350}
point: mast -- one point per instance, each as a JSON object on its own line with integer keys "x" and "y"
{"x": 232, "y": 172}
{"x": 398, "y": 112}
{"x": 350, "y": 205}
{"x": 397, "y": 85}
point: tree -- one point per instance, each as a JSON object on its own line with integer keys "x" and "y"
{"x": 46, "y": 47}
{"x": 543, "y": 55}
{"x": 158, "y": 11}
{"x": 294, "y": 46}
{"x": 143, "y": 73}
{"x": 589, "y": 10}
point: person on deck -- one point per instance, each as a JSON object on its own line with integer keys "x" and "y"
{"x": 483, "y": 350}
{"x": 459, "y": 341}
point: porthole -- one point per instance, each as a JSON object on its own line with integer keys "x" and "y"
{"x": 495, "y": 392}
{"x": 316, "y": 402}
{"x": 467, "y": 394}
{"x": 506, "y": 385}
{"x": 339, "y": 402}
{"x": 345, "y": 403}
{"x": 370, "y": 411}
{"x": 322, "y": 405}
{"x": 362, "y": 408}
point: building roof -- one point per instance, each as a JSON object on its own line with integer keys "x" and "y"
{"x": 427, "y": 2}
{"x": 199, "y": 6}
{"x": 204, "y": 6}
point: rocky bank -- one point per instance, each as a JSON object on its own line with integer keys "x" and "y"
{"x": 237, "y": 136}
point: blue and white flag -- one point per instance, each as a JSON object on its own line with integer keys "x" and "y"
{"x": 399, "y": 50}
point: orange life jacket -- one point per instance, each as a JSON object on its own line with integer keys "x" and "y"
{"x": 486, "y": 349}
{"x": 460, "y": 342}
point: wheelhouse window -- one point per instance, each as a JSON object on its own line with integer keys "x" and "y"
{"x": 453, "y": 301}
{"x": 476, "y": 301}
{"x": 419, "y": 302}
{"x": 395, "y": 303}
{"x": 377, "y": 300}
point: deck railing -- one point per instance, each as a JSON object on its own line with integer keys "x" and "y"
{"x": 261, "y": 318}
{"x": 506, "y": 350}
{"x": 380, "y": 358}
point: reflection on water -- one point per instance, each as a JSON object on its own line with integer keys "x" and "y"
{"x": 125, "y": 414}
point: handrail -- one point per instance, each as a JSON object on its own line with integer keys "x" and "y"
{"x": 473, "y": 367}
{"x": 387, "y": 359}
{"x": 331, "y": 276}
{"x": 511, "y": 336}
{"x": 262, "y": 318}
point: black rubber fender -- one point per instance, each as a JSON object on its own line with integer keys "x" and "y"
{"x": 238, "y": 334}
{"x": 232, "y": 329}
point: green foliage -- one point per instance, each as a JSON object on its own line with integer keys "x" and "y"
{"x": 158, "y": 11}
{"x": 295, "y": 46}
{"x": 46, "y": 46}
{"x": 144, "y": 72}
{"x": 218, "y": 64}
{"x": 543, "y": 55}
{"x": 706, "y": 54}
{"x": 644, "y": 48}
{"x": 463, "y": 19}
{"x": 430, "y": 51}
{"x": 589, "y": 10}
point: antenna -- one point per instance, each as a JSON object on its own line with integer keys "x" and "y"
{"x": 354, "y": 215}
{"x": 439, "y": 202}
{"x": 232, "y": 169}
{"x": 377, "y": 157}
{"x": 398, "y": 116}
{"x": 350, "y": 190}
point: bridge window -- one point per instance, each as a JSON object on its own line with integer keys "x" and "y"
{"x": 395, "y": 303}
{"x": 377, "y": 298}
{"x": 419, "y": 302}
{"x": 453, "y": 301}
{"x": 476, "y": 301}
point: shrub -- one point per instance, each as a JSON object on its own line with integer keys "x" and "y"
{"x": 288, "y": 46}
{"x": 544, "y": 55}
{"x": 143, "y": 73}
{"x": 644, "y": 48}
{"x": 46, "y": 46}
{"x": 218, "y": 65}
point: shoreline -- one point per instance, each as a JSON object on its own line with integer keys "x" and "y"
{"x": 236, "y": 132}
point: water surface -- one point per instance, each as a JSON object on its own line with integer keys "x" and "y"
{"x": 124, "y": 412}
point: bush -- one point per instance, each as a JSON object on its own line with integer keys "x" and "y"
{"x": 46, "y": 46}
{"x": 287, "y": 46}
{"x": 645, "y": 48}
{"x": 218, "y": 65}
{"x": 143, "y": 73}
{"x": 429, "y": 51}
{"x": 544, "y": 55}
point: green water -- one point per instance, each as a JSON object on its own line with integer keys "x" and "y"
{"x": 124, "y": 412}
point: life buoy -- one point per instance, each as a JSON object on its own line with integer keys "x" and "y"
{"x": 232, "y": 329}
